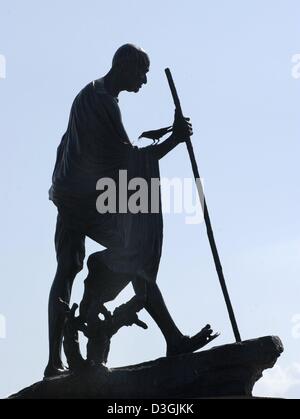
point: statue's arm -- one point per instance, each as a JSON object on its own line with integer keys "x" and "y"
{"x": 182, "y": 130}
{"x": 162, "y": 149}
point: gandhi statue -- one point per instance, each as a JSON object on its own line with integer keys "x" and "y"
{"x": 96, "y": 146}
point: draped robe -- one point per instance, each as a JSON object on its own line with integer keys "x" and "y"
{"x": 96, "y": 146}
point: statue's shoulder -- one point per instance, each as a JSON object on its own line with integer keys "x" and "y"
{"x": 100, "y": 91}
{"x": 99, "y": 87}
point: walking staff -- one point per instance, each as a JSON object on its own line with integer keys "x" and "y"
{"x": 209, "y": 229}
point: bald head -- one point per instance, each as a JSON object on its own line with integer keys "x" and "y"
{"x": 129, "y": 70}
{"x": 130, "y": 55}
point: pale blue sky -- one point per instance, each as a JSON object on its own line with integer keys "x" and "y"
{"x": 232, "y": 64}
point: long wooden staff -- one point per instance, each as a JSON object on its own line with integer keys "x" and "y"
{"x": 209, "y": 229}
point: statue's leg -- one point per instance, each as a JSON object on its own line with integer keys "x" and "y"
{"x": 176, "y": 342}
{"x": 156, "y": 307}
{"x": 100, "y": 286}
{"x": 70, "y": 250}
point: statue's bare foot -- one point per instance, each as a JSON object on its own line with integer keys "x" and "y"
{"x": 191, "y": 344}
{"x": 52, "y": 371}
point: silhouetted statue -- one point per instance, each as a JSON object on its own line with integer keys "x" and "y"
{"x": 96, "y": 146}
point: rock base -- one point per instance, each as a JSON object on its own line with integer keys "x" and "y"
{"x": 224, "y": 371}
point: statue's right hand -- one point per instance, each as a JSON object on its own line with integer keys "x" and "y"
{"x": 182, "y": 128}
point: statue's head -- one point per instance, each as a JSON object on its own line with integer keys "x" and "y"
{"x": 131, "y": 64}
